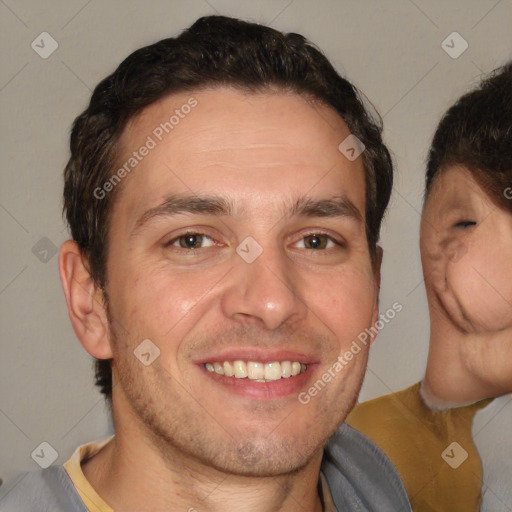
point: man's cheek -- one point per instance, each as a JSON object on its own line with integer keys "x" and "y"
{"x": 350, "y": 285}
{"x": 161, "y": 302}
{"x": 340, "y": 377}
{"x": 352, "y": 324}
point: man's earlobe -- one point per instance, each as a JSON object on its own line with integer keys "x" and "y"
{"x": 86, "y": 308}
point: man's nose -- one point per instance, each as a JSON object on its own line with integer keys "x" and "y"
{"x": 266, "y": 291}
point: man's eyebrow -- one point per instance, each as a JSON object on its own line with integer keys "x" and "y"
{"x": 174, "y": 204}
{"x": 339, "y": 206}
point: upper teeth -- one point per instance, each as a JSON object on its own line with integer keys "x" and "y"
{"x": 257, "y": 371}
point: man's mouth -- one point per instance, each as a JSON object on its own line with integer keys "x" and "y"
{"x": 257, "y": 371}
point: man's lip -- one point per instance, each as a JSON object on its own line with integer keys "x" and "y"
{"x": 257, "y": 355}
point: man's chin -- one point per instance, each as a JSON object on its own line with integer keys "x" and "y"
{"x": 261, "y": 459}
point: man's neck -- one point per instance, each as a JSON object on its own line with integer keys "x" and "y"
{"x": 133, "y": 476}
{"x": 451, "y": 377}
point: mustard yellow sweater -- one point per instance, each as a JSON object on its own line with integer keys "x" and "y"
{"x": 428, "y": 448}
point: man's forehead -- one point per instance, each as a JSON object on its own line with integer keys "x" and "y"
{"x": 252, "y": 120}
{"x": 268, "y": 155}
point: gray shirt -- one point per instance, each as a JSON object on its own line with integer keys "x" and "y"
{"x": 491, "y": 434}
{"x": 360, "y": 477}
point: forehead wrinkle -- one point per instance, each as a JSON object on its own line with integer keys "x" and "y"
{"x": 231, "y": 165}
{"x": 242, "y": 147}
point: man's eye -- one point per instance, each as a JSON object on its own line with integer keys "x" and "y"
{"x": 191, "y": 241}
{"x": 317, "y": 241}
{"x": 464, "y": 224}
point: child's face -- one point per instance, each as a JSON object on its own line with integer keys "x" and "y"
{"x": 466, "y": 251}
{"x": 466, "y": 248}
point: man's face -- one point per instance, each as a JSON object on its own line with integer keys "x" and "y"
{"x": 188, "y": 278}
{"x": 466, "y": 248}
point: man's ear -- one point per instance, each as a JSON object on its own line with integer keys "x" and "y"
{"x": 85, "y": 302}
{"x": 376, "y": 273}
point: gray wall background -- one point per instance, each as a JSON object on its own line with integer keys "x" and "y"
{"x": 391, "y": 50}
